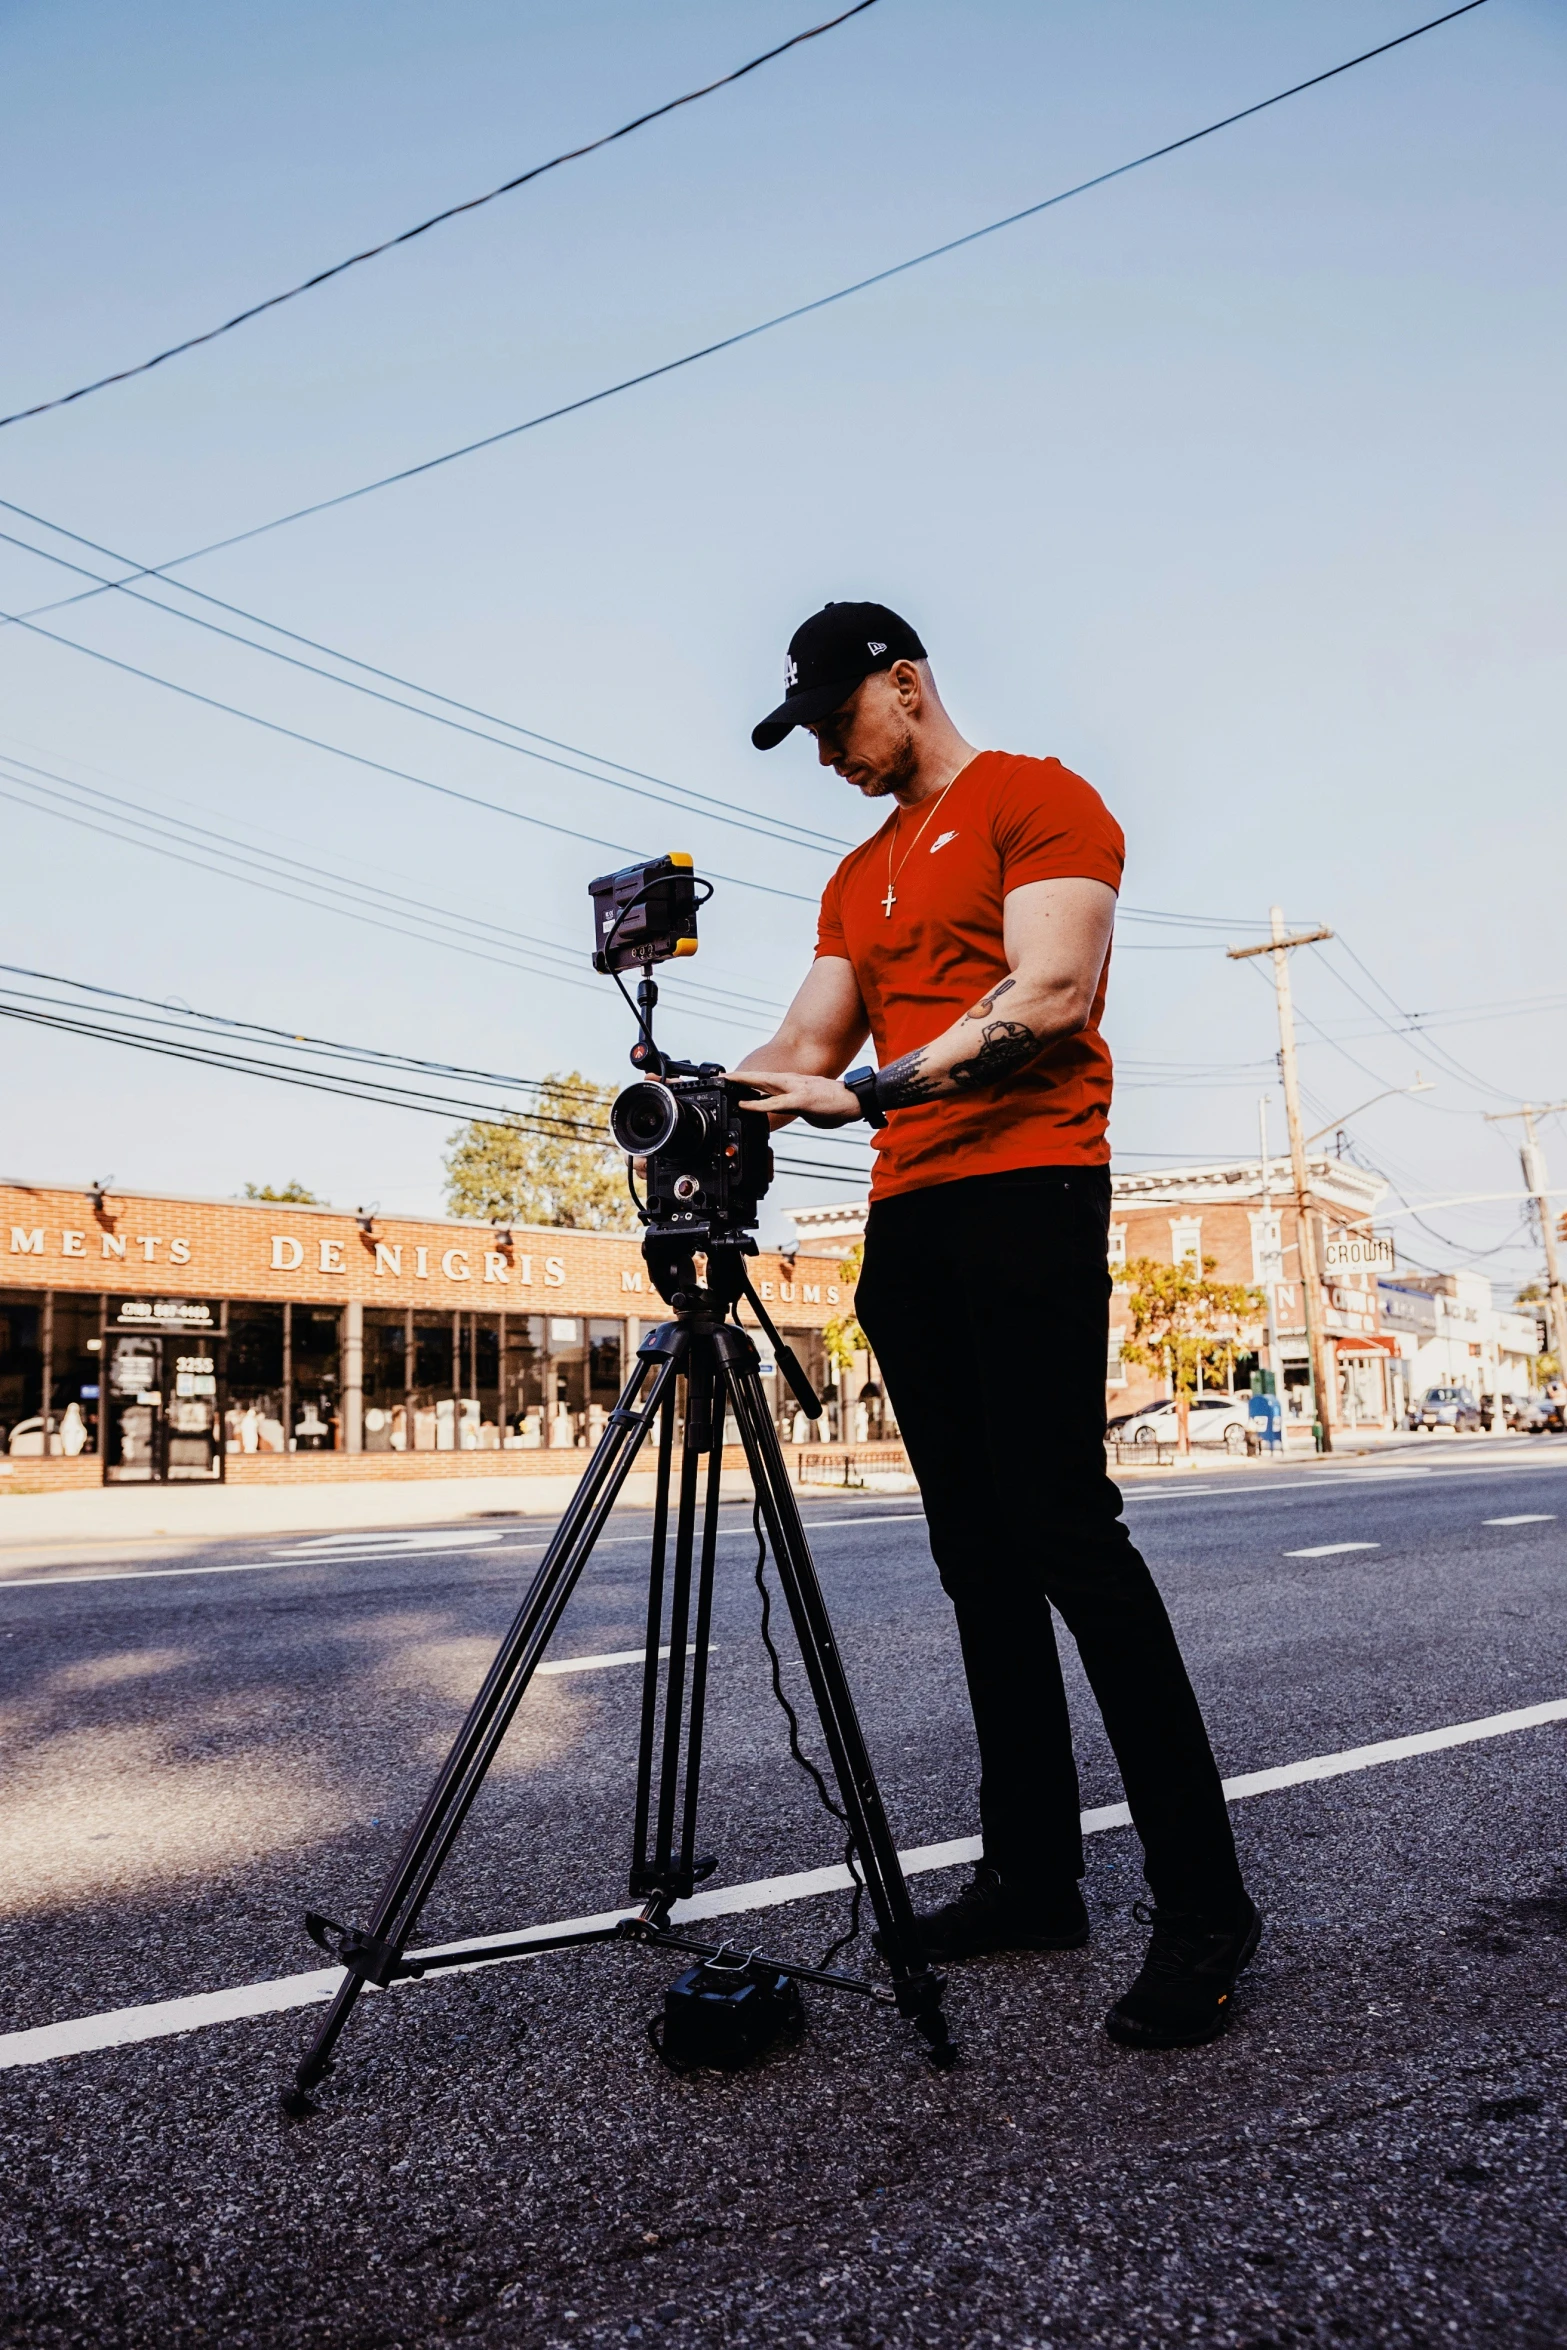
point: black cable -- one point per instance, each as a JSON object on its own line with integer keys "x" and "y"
{"x": 748, "y": 334}
{"x": 828, "y": 1802}
{"x": 167, "y": 1013}
{"x": 1411, "y": 1027}
{"x": 776, "y": 829}
{"x": 718, "y": 1003}
{"x": 700, "y": 800}
{"x": 450, "y": 212}
{"x": 346, "y": 1089}
{"x": 445, "y": 791}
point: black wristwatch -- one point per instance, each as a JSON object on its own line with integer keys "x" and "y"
{"x": 862, "y": 1084}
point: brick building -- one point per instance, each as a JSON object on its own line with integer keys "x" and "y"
{"x": 1249, "y": 1228}
{"x": 1251, "y": 1231}
{"x": 146, "y": 1337}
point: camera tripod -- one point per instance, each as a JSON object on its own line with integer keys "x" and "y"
{"x": 719, "y": 1363}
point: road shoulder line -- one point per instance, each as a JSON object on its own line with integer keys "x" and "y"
{"x": 127, "y": 2026}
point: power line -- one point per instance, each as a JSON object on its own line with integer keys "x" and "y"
{"x": 380, "y": 766}
{"x": 1408, "y": 1028}
{"x": 800, "y": 310}
{"x": 342, "y": 1084}
{"x": 778, "y": 829}
{"x": 436, "y": 219}
{"x": 316, "y": 885}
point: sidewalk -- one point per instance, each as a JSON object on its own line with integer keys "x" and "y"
{"x": 192, "y": 1513}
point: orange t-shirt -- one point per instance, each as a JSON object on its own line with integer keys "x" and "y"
{"x": 1004, "y": 821}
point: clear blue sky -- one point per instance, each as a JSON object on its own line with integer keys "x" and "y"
{"x": 1237, "y": 485}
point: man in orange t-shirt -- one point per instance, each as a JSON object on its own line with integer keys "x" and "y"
{"x": 969, "y": 938}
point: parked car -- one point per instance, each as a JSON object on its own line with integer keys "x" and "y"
{"x": 1449, "y": 1407}
{"x": 1215, "y": 1419}
{"x": 1521, "y": 1412}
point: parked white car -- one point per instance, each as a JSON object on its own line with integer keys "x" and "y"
{"x": 1215, "y": 1419}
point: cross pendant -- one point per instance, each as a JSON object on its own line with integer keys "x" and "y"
{"x": 888, "y": 902}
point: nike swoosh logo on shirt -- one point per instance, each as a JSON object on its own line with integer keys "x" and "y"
{"x": 941, "y": 841}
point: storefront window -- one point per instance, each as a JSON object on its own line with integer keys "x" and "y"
{"x": 254, "y": 1418}
{"x": 75, "y": 1375}
{"x": 386, "y": 1380}
{"x": 568, "y": 1381}
{"x": 523, "y": 1376}
{"x": 317, "y": 1339}
{"x": 479, "y": 1382}
{"x": 21, "y": 1370}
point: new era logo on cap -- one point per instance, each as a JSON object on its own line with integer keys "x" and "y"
{"x": 829, "y": 655}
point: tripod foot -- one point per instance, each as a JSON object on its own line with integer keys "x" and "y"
{"x": 920, "y": 2000}
{"x": 297, "y": 2105}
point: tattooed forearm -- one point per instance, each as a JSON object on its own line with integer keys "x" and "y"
{"x": 1005, "y": 1045}
{"x": 903, "y": 1083}
{"x": 987, "y": 1003}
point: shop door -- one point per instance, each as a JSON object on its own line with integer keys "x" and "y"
{"x": 161, "y": 1408}
{"x": 133, "y": 1408}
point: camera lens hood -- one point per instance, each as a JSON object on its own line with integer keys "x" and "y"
{"x": 645, "y": 1118}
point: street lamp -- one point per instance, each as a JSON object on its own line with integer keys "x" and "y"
{"x": 1421, "y": 1085}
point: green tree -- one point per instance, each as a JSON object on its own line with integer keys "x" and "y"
{"x": 842, "y": 1337}
{"x": 1184, "y": 1323}
{"x": 553, "y": 1164}
{"x": 291, "y": 1195}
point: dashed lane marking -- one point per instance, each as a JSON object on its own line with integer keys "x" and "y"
{"x": 1524, "y": 1518}
{"x": 126, "y": 2026}
{"x": 1327, "y": 1550}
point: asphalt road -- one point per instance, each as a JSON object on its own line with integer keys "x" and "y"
{"x": 199, "y": 1745}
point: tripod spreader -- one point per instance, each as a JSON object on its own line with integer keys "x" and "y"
{"x": 719, "y": 1364}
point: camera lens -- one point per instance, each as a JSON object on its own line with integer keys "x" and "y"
{"x": 644, "y": 1119}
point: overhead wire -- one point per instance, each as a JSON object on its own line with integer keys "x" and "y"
{"x": 448, "y": 212}
{"x": 1410, "y": 1025}
{"x": 339, "y": 1082}
{"x": 801, "y": 310}
{"x": 381, "y": 766}
{"x": 313, "y": 883}
{"x": 681, "y": 797}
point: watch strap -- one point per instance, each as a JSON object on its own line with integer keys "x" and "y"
{"x": 862, "y": 1084}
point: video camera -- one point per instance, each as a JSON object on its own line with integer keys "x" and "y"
{"x": 709, "y": 1163}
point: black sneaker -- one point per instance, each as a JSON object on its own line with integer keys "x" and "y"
{"x": 1183, "y": 1995}
{"x": 990, "y": 1915}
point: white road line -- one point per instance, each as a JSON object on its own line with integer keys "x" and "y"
{"x": 312, "y": 1557}
{"x": 1328, "y": 1550}
{"x": 124, "y": 2027}
{"x": 417, "y": 1538}
{"x": 599, "y": 1664}
{"x": 1524, "y": 1518}
{"x": 136, "y": 1574}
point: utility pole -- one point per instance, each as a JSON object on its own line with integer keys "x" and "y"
{"x": 1275, "y": 1260}
{"x": 1537, "y": 1181}
{"x": 1279, "y": 947}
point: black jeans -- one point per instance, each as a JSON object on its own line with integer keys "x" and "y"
{"x": 987, "y": 1304}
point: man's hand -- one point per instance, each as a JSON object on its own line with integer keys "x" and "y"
{"x": 820, "y": 1100}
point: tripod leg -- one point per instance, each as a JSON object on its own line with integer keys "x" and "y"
{"x": 651, "y": 1674}
{"x": 704, "y": 1624}
{"x": 918, "y": 1989}
{"x": 698, "y": 1393}
{"x": 374, "y": 1956}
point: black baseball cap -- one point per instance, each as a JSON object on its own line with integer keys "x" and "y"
{"x": 829, "y": 655}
